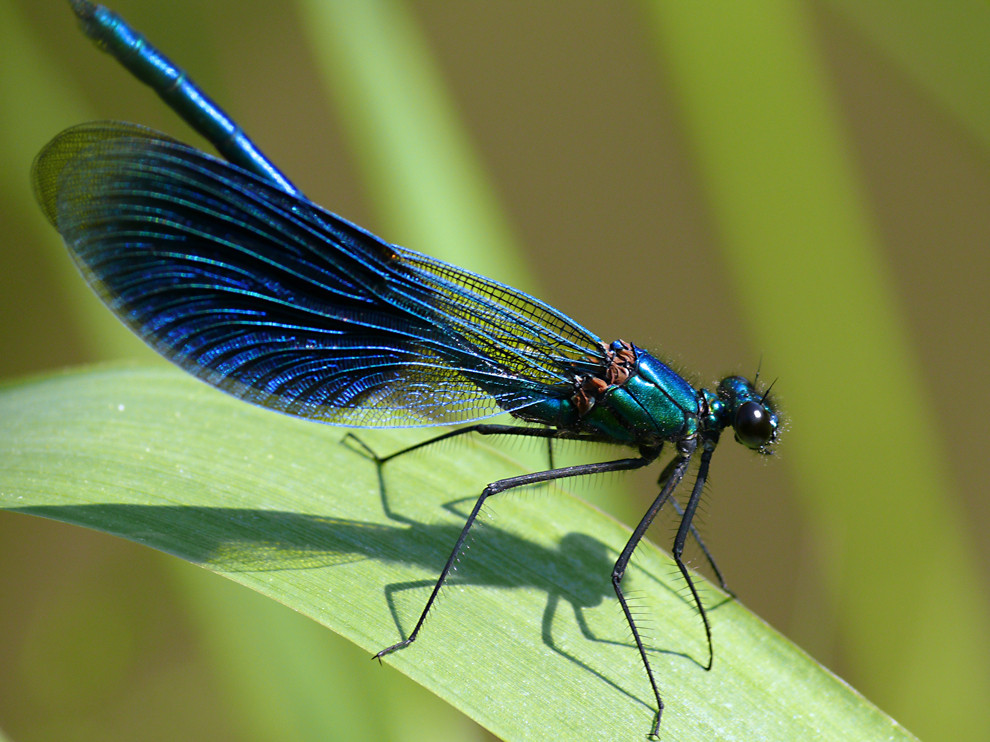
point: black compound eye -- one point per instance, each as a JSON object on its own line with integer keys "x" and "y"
{"x": 752, "y": 425}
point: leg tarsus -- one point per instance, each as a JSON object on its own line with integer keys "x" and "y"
{"x": 350, "y": 440}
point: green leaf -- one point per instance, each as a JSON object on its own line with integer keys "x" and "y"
{"x": 527, "y": 638}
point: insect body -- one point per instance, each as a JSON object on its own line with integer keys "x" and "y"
{"x": 225, "y": 268}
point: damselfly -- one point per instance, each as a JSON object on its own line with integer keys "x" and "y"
{"x": 225, "y": 268}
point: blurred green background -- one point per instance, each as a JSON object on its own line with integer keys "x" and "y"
{"x": 806, "y": 183}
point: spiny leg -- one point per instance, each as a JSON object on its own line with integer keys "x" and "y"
{"x": 480, "y": 429}
{"x": 704, "y": 549}
{"x": 672, "y": 474}
{"x": 681, "y": 537}
{"x": 498, "y": 487}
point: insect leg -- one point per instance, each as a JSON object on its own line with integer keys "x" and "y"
{"x": 669, "y": 479}
{"x": 704, "y": 549}
{"x": 480, "y": 429}
{"x": 681, "y": 537}
{"x": 501, "y": 486}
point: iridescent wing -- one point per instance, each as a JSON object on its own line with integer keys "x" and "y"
{"x": 276, "y": 301}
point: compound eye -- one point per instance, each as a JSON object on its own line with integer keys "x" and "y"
{"x": 753, "y": 426}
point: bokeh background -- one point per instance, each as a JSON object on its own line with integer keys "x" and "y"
{"x": 805, "y": 183}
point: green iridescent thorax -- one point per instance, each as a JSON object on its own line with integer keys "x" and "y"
{"x": 653, "y": 405}
{"x": 633, "y": 399}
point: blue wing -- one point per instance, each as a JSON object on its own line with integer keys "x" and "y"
{"x": 281, "y": 303}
